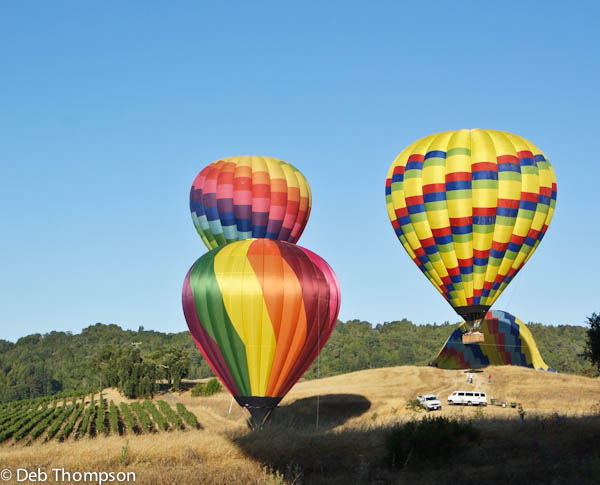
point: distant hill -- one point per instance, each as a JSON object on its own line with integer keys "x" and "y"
{"x": 38, "y": 364}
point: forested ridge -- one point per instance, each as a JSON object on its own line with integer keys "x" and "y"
{"x": 38, "y": 365}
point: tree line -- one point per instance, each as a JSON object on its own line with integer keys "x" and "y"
{"x": 136, "y": 361}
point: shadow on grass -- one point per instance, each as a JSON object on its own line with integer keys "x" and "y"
{"x": 328, "y": 411}
{"x": 542, "y": 450}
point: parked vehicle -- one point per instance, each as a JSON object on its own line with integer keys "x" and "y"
{"x": 470, "y": 398}
{"x": 429, "y": 402}
{"x": 494, "y": 401}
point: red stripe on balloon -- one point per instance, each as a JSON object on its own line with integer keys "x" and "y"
{"x": 315, "y": 294}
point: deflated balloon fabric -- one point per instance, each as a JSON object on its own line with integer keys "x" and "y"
{"x": 507, "y": 342}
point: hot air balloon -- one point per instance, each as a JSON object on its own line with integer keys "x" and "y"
{"x": 260, "y": 311}
{"x": 249, "y": 197}
{"x": 470, "y": 207}
{"x": 508, "y": 342}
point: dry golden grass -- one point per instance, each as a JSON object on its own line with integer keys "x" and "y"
{"x": 355, "y": 412}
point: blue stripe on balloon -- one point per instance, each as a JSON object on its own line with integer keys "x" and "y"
{"x": 514, "y": 247}
{"x": 509, "y": 167}
{"x": 212, "y": 213}
{"x": 458, "y": 185}
{"x": 529, "y": 241}
{"x": 259, "y": 231}
{"x": 494, "y": 253}
{"x": 227, "y": 218}
{"x": 456, "y": 278}
{"x": 435, "y": 154}
{"x": 484, "y": 220}
{"x": 404, "y": 220}
{"x": 507, "y": 212}
{"x": 466, "y": 229}
{"x": 434, "y": 197}
{"x": 244, "y": 225}
{"x": 443, "y": 239}
{"x": 544, "y": 199}
{"x": 527, "y": 161}
{"x": 416, "y": 208}
{"x": 528, "y": 205}
{"x": 431, "y": 249}
{"x": 485, "y": 175}
{"x": 480, "y": 261}
{"x": 415, "y": 165}
{"x": 397, "y": 177}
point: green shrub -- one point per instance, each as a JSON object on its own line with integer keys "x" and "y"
{"x": 414, "y": 405}
{"x": 100, "y": 427}
{"x": 190, "y": 418}
{"x": 171, "y": 415}
{"x": 211, "y": 387}
{"x": 83, "y": 426}
{"x": 113, "y": 418}
{"x": 428, "y": 440}
{"x": 64, "y": 414}
{"x": 71, "y": 424}
{"x": 158, "y": 418}
{"x": 128, "y": 417}
{"x": 142, "y": 415}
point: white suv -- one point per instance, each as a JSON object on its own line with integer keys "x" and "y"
{"x": 429, "y": 402}
{"x": 468, "y": 397}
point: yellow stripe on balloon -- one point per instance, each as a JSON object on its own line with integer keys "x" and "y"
{"x": 434, "y": 172}
{"x": 245, "y": 305}
{"x": 459, "y": 207}
{"x": 482, "y": 150}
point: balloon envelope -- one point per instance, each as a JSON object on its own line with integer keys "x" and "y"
{"x": 508, "y": 341}
{"x": 470, "y": 207}
{"x": 249, "y": 197}
{"x": 260, "y": 311}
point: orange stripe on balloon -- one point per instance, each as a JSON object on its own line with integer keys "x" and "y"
{"x": 283, "y": 298}
{"x": 267, "y": 263}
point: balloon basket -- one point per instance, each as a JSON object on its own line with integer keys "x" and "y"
{"x": 472, "y": 338}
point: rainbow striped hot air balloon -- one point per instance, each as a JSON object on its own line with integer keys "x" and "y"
{"x": 508, "y": 341}
{"x": 470, "y": 207}
{"x": 260, "y": 311}
{"x": 249, "y": 197}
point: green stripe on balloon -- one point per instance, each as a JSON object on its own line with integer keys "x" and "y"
{"x": 213, "y": 316}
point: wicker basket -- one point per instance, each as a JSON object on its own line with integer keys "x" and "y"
{"x": 472, "y": 338}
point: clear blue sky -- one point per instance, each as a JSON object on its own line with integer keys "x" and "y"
{"x": 109, "y": 109}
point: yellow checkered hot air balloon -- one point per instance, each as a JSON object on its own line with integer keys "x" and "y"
{"x": 470, "y": 207}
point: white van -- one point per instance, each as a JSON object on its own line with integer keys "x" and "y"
{"x": 468, "y": 397}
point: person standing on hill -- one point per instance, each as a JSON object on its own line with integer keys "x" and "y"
{"x": 489, "y": 378}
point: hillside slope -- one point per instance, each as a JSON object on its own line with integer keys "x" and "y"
{"x": 355, "y": 413}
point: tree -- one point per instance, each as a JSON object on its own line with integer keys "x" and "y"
{"x": 173, "y": 362}
{"x": 592, "y": 350}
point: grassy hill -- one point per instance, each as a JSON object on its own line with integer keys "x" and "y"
{"x": 557, "y": 443}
